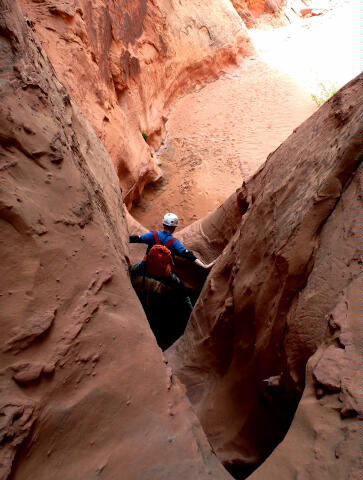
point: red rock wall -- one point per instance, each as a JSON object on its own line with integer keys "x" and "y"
{"x": 255, "y": 12}
{"x": 84, "y": 391}
{"x": 272, "y": 301}
{"x": 124, "y": 62}
{"x": 324, "y": 440}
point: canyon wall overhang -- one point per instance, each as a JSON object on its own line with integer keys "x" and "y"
{"x": 84, "y": 390}
{"x": 285, "y": 287}
{"x": 124, "y": 62}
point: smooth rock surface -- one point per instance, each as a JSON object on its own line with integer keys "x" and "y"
{"x": 84, "y": 390}
{"x": 124, "y": 62}
{"x": 266, "y": 306}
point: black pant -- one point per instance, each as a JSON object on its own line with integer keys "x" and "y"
{"x": 172, "y": 281}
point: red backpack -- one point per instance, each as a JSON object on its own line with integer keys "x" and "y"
{"x": 159, "y": 260}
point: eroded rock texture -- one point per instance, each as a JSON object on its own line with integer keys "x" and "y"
{"x": 253, "y": 11}
{"x": 273, "y": 13}
{"x": 123, "y": 62}
{"x": 84, "y": 391}
{"x": 321, "y": 443}
{"x": 285, "y": 287}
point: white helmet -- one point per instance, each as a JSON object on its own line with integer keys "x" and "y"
{"x": 170, "y": 220}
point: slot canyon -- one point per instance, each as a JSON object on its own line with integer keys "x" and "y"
{"x": 245, "y": 119}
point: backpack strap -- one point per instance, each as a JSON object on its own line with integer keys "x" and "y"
{"x": 170, "y": 242}
{"x": 146, "y": 257}
{"x": 156, "y": 236}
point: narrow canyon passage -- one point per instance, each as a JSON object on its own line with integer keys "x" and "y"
{"x": 265, "y": 373}
{"x": 86, "y": 392}
{"x": 219, "y": 136}
{"x": 165, "y": 310}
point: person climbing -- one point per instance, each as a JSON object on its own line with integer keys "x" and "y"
{"x": 158, "y": 260}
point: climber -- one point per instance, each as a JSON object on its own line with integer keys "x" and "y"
{"x": 157, "y": 262}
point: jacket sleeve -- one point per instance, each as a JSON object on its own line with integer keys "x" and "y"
{"x": 181, "y": 251}
{"x": 135, "y": 239}
{"x": 188, "y": 255}
{"x": 145, "y": 238}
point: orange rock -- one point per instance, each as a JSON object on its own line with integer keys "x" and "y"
{"x": 310, "y": 12}
{"x": 85, "y": 391}
{"x": 293, "y": 252}
{"x": 130, "y": 60}
{"x": 84, "y": 388}
{"x": 260, "y": 12}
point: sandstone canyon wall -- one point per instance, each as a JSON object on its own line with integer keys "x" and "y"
{"x": 84, "y": 390}
{"x": 284, "y": 296}
{"x": 266, "y": 14}
{"x": 123, "y": 62}
{"x": 256, "y": 11}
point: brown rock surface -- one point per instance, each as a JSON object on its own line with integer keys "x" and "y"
{"x": 218, "y": 136}
{"x": 126, "y": 61}
{"x": 266, "y": 306}
{"x": 321, "y": 443}
{"x": 84, "y": 391}
{"x": 255, "y": 12}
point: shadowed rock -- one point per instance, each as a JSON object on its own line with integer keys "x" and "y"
{"x": 84, "y": 390}
{"x": 265, "y": 308}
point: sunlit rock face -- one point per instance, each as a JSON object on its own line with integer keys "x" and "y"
{"x": 84, "y": 390}
{"x": 124, "y": 62}
{"x": 284, "y": 294}
{"x": 255, "y": 12}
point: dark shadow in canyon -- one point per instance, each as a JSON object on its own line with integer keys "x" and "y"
{"x": 168, "y": 319}
{"x": 164, "y": 309}
{"x": 239, "y": 471}
{"x": 279, "y": 402}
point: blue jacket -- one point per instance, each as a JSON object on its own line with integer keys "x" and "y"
{"x": 175, "y": 248}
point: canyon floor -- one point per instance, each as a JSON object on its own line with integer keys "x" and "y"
{"x": 221, "y": 134}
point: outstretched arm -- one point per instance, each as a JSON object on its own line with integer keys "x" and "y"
{"x": 188, "y": 255}
{"x": 145, "y": 238}
{"x": 135, "y": 239}
{"x": 207, "y": 266}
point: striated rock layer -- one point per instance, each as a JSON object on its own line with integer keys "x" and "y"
{"x": 285, "y": 288}
{"x": 123, "y": 62}
{"x": 84, "y": 391}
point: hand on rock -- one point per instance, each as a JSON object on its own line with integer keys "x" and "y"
{"x": 207, "y": 266}
{"x": 210, "y": 265}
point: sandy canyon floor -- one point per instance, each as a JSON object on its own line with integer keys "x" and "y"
{"x": 221, "y": 134}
